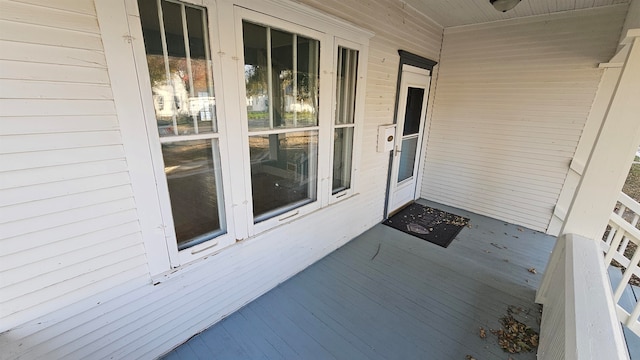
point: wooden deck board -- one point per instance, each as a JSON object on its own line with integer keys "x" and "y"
{"x": 388, "y": 295}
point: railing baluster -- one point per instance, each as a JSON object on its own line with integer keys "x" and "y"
{"x": 622, "y": 231}
{"x": 614, "y": 245}
{"x": 612, "y": 232}
{"x": 631, "y": 269}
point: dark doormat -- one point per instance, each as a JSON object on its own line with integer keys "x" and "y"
{"x": 435, "y": 226}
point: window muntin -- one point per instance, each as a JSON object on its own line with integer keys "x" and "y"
{"x": 180, "y": 70}
{"x": 346, "y": 84}
{"x": 281, "y": 81}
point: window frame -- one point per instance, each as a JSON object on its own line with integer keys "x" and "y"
{"x": 180, "y": 257}
{"x": 358, "y": 117}
{"x": 243, "y": 14}
{"x": 129, "y": 74}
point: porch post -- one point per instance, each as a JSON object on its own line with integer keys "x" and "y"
{"x": 612, "y": 153}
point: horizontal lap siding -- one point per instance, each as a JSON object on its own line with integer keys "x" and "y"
{"x": 135, "y": 319}
{"x": 511, "y": 101}
{"x": 68, "y": 221}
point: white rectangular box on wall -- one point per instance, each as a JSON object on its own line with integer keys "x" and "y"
{"x": 386, "y": 137}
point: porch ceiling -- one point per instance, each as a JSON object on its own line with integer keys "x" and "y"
{"x": 464, "y": 12}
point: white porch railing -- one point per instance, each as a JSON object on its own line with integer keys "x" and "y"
{"x": 578, "y": 319}
{"x": 620, "y": 244}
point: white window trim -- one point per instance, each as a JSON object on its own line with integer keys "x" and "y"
{"x": 126, "y": 58}
{"x": 178, "y": 258}
{"x": 358, "y": 118}
{"x": 241, "y": 14}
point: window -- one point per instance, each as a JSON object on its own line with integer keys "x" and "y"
{"x": 281, "y": 79}
{"x": 234, "y": 159}
{"x": 346, "y": 81}
{"x": 178, "y": 59}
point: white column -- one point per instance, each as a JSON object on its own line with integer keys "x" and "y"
{"x": 608, "y": 163}
{"x": 611, "y": 156}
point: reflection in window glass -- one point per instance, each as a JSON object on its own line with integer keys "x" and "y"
{"x": 256, "y": 75}
{"x": 281, "y": 78}
{"x": 342, "y": 154}
{"x": 191, "y": 167}
{"x": 407, "y": 158}
{"x": 346, "y": 85}
{"x": 283, "y": 172}
{"x": 177, "y": 50}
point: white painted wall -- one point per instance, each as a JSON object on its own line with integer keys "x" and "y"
{"x": 68, "y": 219}
{"x": 511, "y": 101}
{"x": 74, "y": 279}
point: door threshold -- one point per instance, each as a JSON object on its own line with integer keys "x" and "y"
{"x": 399, "y": 209}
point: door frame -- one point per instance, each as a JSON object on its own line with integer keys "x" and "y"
{"x": 406, "y": 58}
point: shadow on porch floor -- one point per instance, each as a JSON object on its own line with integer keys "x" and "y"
{"x": 388, "y": 295}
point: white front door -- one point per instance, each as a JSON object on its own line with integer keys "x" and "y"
{"x": 412, "y": 107}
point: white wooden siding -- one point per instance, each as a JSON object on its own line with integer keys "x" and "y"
{"x": 68, "y": 221}
{"x": 510, "y": 104}
{"x": 85, "y": 259}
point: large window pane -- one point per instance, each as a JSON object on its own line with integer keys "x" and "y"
{"x": 256, "y": 75}
{"x": 342, "y": 153}
{"x": 179, "y": 67}
{"x": 191, "y": 167}
{"x": 283, "y": 172}
{"x": 346, "y": 85}
{"x": 305, "y": 109}
{"x": 281, "y": 78}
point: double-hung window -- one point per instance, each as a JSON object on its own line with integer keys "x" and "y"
{"x": 178, "y": 54}
{"x": 287, "y": 129}
{"x": 344, "y": 120}
{"x": 281, "y": 71}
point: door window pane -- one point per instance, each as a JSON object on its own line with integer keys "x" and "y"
{"x": 179, "y": 64}
{"x": 283, "y": 172}
{"x": 191, "y": 167}
{"x": 281, "y": 78}
{"x": 413, "y": 112}
{"x": 407, "y": 158}
{"x": 342, "y": 153}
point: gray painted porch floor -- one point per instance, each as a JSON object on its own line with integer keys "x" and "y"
{"x": 388, "y": 295}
